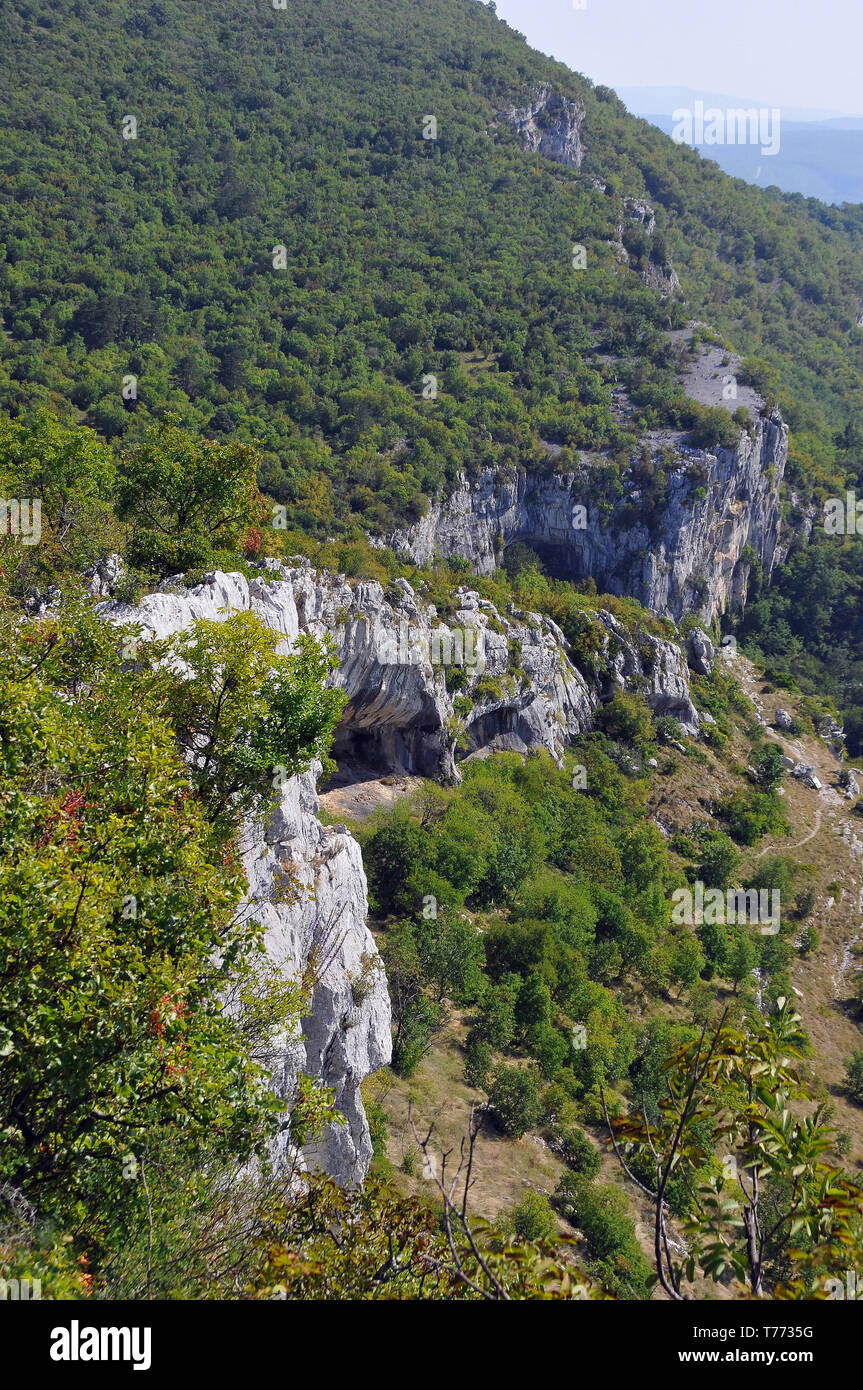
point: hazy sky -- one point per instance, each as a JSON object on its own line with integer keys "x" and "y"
{"x": 777, "y": 52}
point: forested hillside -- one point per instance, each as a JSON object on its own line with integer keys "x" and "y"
{"x": 138, "y": 274}
{"x": 274, "y": 282}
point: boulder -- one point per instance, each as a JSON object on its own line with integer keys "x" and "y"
{"x": 104, "y": 575}
{"x": 701, "y": 652}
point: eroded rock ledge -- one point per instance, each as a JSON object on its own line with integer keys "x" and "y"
{"x": 410, "y": 677}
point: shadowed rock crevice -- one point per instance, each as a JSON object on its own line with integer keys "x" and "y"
{"x": 372, "y": 747}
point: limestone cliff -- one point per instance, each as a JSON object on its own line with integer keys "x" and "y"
{"x": 306, "y": 886}
{"x": 721, "y": 512}
{"x": 419, "y": 693}
{"x": 550, "y": 124}
{"x": 421, "y": 690}
{"x": 347, "y": 1033}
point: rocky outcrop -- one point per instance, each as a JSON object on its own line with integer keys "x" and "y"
{"x": 652, "y": 666}
{"x": 308, "y": 889}
{"x": 833, "y": 735}
{"x": 402, "y": 668}
{"x": 721, "y": 513}
{"x": 637, "y": 210}
{"x": 662, "y": 278}
{"x": 656, "y": 272}
{"x": 104, "y": 575}
{"x": 550, "y": 125}
{"x": 701, "y": 652}
{"x": 419, "y": 692}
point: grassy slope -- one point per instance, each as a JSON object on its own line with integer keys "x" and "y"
{"x": 826, "y": 841}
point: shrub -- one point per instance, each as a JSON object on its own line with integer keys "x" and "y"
{"x": 599, "y": 1212}
{"x": 712, "y": 427}
{"x": 377, "y": 1118}
{"x": 809, "y": 940}
{"x": 854, "y": 1075}
{"x": 666, "y": 728}
{"x": 576, "y": 1150}
{"x": 768, "y": 768}
{"x": 804, "y": 901}
{"x": 71, "y": 474}
{"x": 477, "y": 1061}
{"x": 718, "y": 859}
{"x": 551, "y": 1049}
{"x": 556, "y": 1104}
{"x": 751, "y": 814}
{"x": 532, "y": 1218}
{"x": 515, "y": 1096}
{"x": 627, "y": 717}
{"x": 495, "y": 1023}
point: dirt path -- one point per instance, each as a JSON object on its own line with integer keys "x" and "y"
{"x": 804, "y": 841}
{"x": 823, "y": 763}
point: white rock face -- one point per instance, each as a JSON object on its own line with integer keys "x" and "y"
{"x": 696, "y": 559}
{"x": 394, "y": 654}
{"x": 347, "y": 1034}
{"x": 656, "y": 668}
{"x": 701, "y": 652}
{"x": 550, "y": 125}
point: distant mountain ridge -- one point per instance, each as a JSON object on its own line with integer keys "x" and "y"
{"x": 659, "y": 101}
{"x": 821, "y": 154}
